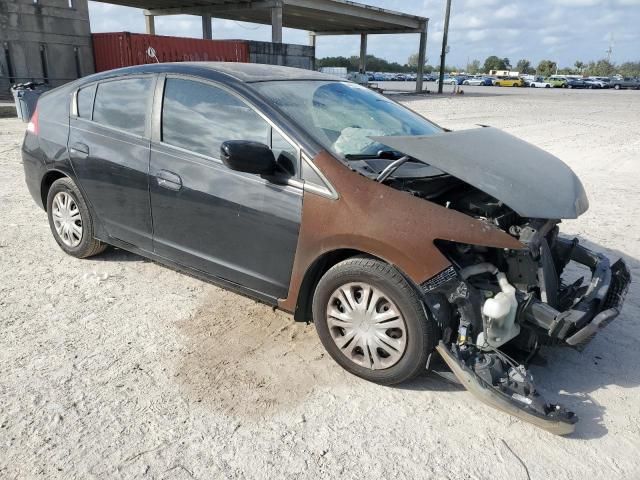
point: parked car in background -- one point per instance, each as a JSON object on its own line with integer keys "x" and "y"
{"x": 575, "y": 83}
{"x": 539, "y": 82}
{"x": 447, "y": 80}
{"x": 508, "y": 82}
{"x": 478, "y": 81}
{"x": 557, "y": 81}
{"x": 271, "y": 182}
{"x": 618, "y": 83}
{"x": 595, "y": 83}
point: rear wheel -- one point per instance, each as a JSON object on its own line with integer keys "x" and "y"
{"x": 372, "y": 321}
{"x": 617, "y": 87}
{"x": 70, "y": 221}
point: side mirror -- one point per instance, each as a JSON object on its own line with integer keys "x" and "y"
{"x": 249, "y": 157}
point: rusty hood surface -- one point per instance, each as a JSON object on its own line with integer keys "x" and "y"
{"x": 529, "y": 180}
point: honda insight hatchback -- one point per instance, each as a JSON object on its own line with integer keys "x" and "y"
{"x": 394, "y": 236}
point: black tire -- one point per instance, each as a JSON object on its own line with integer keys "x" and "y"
{"x": 420, "y": 329}
{"x": 88, "y": 245}
{"x": 616, "y": 87}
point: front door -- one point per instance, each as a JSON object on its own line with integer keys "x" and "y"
{"x": 237, "y": 226}
{"x": 109, "y": 150}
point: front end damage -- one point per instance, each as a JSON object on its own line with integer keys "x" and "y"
{"x": 490, "y": 301}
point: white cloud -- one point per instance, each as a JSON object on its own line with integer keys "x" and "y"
{"x": 507, "y": 12}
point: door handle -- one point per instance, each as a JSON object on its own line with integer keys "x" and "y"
{"x": 170, "y": 180}
{"x": 79, "y": 150}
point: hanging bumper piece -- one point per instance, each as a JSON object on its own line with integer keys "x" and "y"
{"x": 497, "y": 381}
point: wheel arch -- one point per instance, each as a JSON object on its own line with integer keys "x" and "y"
{"x": 315, "y": 272}
{"x": 47, "y": 180}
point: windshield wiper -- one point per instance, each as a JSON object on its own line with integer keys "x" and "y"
{"x": 386, "y": 154}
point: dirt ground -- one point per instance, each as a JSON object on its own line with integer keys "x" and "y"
{"x": 117, "y": 367}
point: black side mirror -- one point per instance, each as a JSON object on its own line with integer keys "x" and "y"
{"x": 249, "y": 157}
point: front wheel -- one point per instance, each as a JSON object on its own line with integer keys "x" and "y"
{"x": 372, "y": 321}
{"x": 70, "y": 220}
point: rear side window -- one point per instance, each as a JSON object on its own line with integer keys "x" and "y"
{"x": 85, "y": 101}
{"x": 199, "y": 117}
{"x": 123, "y": 104}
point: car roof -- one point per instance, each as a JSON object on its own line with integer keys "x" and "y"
{"x": 243, "y": 72}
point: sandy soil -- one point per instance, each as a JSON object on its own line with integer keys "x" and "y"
{"x": 116, "y": 367}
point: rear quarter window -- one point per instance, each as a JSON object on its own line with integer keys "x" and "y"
{"x": 85, "y": 101}
{"x": 123, "y": 104}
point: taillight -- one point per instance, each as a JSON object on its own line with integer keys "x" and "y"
{"x": 32, "y": 126}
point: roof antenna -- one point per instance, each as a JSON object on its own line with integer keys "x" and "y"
{"x": 151, "y": 52}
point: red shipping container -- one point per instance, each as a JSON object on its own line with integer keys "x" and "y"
{"x": 124, "y": 49}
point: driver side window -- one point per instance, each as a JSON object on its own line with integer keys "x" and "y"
{"x": 199, "y": 117}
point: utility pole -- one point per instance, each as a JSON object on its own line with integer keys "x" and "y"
{"x": 444, "y": 45}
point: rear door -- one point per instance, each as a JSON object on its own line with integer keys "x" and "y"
{"x": 109, "y": 150}
{"x": 237, "y": 226}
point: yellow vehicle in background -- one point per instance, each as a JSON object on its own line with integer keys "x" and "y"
{"x": 508, "y": 82}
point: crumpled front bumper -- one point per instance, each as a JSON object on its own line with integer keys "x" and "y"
{"x": 611, "y": 293}
{"x": 596, "y": 308}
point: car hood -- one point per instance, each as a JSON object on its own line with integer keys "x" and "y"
{"x": 529, "y": 180}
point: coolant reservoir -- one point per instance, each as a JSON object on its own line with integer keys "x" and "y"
{"x": 497, "y": 307}
{"x": 500, "y": 313}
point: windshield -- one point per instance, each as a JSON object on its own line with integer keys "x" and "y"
{"x": 342, "y": 116}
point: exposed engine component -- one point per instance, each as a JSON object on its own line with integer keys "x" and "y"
{"x": 518, "y": 298}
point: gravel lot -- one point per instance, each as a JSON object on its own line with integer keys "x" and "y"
{"x": 116, "y": 367}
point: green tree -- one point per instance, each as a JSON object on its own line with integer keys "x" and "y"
{"x": 630, "y": 69}
{"x": 524, "y": 66}
{"x": 601, "y": 68}
{"x": 546, "y": 68}
{"x": 374, "y": 64}
{"x": 474, "y": 67}
{"x": 507, "y": 63}
{"x": 579, "y": 66}
{"x": 494, "y": 63}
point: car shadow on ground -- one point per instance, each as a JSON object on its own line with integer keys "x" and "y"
{"x": 115, "y": 254}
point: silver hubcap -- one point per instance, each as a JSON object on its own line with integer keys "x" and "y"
{"x": 366, "y": 326}
{"x": 66, "y": 219}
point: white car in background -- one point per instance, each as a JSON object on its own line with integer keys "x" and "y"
{"x": 539, "y": 83}
{"x": 478, "y": 81}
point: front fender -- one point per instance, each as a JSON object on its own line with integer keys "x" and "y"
{"x": 376, "y": 219}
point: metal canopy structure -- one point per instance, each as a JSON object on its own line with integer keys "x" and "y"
{"x": 318, "y": 17}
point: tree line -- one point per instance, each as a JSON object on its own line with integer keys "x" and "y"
{"x": 600, "y": 68}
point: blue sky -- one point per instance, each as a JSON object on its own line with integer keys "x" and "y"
{"x": 560, "y": 30}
